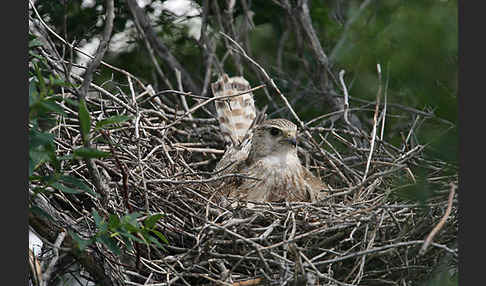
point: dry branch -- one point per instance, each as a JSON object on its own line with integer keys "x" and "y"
{"x": 159, "y": 47}
{"x": 162, "y": 162}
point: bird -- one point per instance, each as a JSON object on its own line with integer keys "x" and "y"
{"x": 262, "y": 153}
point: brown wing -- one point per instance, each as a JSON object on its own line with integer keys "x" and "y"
{"x": 317, "y": 189}
{"x": 272, "y": 185}
{"x": 229, "y": 186}
{"x": 269, "y": 185}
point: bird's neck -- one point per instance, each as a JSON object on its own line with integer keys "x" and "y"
{"x": 279, "y": 160}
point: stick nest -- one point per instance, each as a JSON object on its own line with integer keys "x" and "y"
{"x": 365, "y": 233}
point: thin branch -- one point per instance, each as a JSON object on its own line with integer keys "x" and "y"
{"x": 71, "y": 46}
{"x": 270, "y": 80}
{"x": 374, "y": 250}
{"x": 46, "y": 228}
{"x": 83, "y": 92}
{"x": 199, "y": 105}
{"x": 441, "y": 223}
{"x": 375, "y": 123}
{"x": 159, "y": 47}
{"x": 47, "y": 273}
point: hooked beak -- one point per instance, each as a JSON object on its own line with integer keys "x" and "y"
{"x": 291, "y": 140}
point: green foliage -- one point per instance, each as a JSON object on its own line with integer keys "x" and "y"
{"x": 112, "y": 120}
{"x": 442, "y": 276}
{"x": 88, "y": 153}
{"x": 419, "y": 191}
{"x": 84, "y": 120}
{"x": 127, "y": 228}
{"x": 44, "y": 108}
{"x": 329, "y": 30}
{"x": 44, "y": 112}
{"x": 416, "y": 44}
{"x": 443, "y": 279}
{"x": 81, "y": 243}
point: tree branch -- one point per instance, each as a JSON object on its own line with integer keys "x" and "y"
{"x": 50, "y": 230}
{"x": 83, "y": 91}
{"x": 100, "y": 52}
{"x": 162, "y": 51}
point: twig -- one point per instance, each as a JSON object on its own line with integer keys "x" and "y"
{"x": 159, "y": 47}
{"x": 170, "y": 181}
{"x": 375, "y": 123}
{"x": 181, "y": 89}
{"x": 441, "y": 223}
{"x": 345, "y": 91}
{"x": 272, "y": 83}
{"x": 35, "y": 270}
{"x": 201, "y": 104}
{"x": 71, "y": 46}
{"x": 152, "y": 56}
{"x": 369, "y": 251}
{"x": 385, "y": 103}
{"x": 83, "y": 91}
{"x": 47, "y": 273}
{"x": 410, "y": 132}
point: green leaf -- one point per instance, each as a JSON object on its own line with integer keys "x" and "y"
{"x": 70, "y": 180}
{"x": 51, "y": 105}
{"x": 155, "y": 241}
{"x": 31, "y": 167}
{"x": 66, "y": 157}
{"x": 65, "y": 189}
{"x": 60, "y": 82}
{"x": 130, "y": 222}
{"x": 81, "y": 243}
{"x": 160, "y": 235}
{"x": 33, "y": 94}
{"x": 112, "y": 120}
{"x": 40, "y": 212}
{"x": 88, "y": 153}
{"x": 97, "y": 218}
{"x": 38, "y": 157}
{"x": 42, "y": 84}
{"x": 152, "y": 220}
{"x": 127, "y": 242}
{"x": 131, "y": 218}
{"x": 74, "y": 181}
{"x": 35, "y": 43}
{"x": 40, "y": 139}
{"x": 110, "y": 243}
{"x": 84, "y": 120}
{"x": 131, "y": 227}
{"x": 132, "y": 237}
{"x": 42, "y": 179}
{"x": 103, "y": 228}
{"x": 113, "y": 221}
{"x": 71, "y": 102}
{"x": 35, "y": 55}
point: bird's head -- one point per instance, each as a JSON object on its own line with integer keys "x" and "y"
{"x": 274, "y": 137}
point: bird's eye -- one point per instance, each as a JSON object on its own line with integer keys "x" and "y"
{"x": 275, "y": 131}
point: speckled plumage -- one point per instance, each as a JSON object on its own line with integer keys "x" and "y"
{"x": 235, "y": 114}
{"x": 266, "y": 153}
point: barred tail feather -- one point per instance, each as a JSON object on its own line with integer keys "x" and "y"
{"x": 235, "y": 114}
